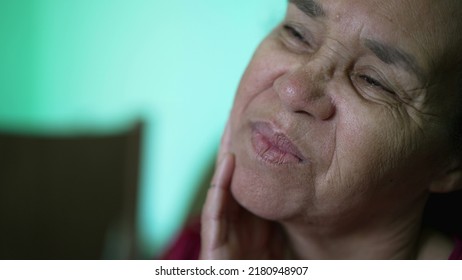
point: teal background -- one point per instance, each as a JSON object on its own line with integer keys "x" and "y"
{"x": 99, "y": 65}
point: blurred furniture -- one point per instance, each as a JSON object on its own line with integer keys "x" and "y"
{"x": 69, "y": 197}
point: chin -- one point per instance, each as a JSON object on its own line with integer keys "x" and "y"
{"x": 267, "y": 195}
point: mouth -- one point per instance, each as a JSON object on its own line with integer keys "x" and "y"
{"x": 272, "y": 146}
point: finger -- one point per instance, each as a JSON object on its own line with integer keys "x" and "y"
{"x": 224, "y": 172}
{"x": 214, "y": 214}
{"x": 225, "y": 145}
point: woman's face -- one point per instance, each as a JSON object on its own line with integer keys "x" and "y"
{"x": 340, "y": 113}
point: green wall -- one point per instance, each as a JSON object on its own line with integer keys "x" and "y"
{"x": 81, "y": 65}
{"x": 18, "y": 96}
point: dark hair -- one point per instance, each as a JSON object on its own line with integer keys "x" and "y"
{"x": 443, "y": 211}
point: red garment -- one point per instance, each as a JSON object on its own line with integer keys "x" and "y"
{"x": 187, "y": 245}
{"x": 457, "y": 252}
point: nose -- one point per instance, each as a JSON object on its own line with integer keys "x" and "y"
{"x": 303, "y": 90}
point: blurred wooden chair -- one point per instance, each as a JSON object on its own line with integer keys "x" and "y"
{"x": 69, "y": 197}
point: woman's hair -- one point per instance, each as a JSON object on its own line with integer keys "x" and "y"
{"x": 443, "y": 212}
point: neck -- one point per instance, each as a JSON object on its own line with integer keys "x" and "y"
{"x": 392, "y": 238}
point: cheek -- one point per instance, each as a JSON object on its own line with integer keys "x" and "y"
{"x": 377, "y": 151}
{"x": 374, "y": 144}
{"x": 256, "y": 79}
{"x": 268, "y": 63}
{"x": 350, "y": 154}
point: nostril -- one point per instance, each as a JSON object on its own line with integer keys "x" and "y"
{"x": 304, "y": 113}
{"x": 321, "y": 108}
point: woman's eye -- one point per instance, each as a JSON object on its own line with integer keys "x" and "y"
{"x": 375, "y": 84}
{"x": 295, "y": 33}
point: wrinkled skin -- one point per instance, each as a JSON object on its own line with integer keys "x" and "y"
{"x": 374, "y": 135}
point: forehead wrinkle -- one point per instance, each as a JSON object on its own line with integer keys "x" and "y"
{"x": 394, "y": 56}
{"x": 309, "y": 7}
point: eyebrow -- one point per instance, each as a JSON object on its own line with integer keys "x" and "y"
{"x": 309, "y": 7}
{"x": 395, "y": 56}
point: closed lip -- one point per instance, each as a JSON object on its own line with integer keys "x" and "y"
{"x": 277, "y": 139}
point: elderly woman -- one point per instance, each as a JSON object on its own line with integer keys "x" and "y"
{"x": 345, "y": 121}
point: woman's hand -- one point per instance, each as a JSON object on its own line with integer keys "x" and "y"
{"x": 228, "y": 230}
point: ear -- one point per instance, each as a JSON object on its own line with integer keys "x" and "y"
{"x": 450, "y": 179}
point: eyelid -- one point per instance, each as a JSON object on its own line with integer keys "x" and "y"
{"x": 290, "y": 31}
{"x": 293, "y": 29}
{"x": 376, "y": 77}
{"x": 373, "y": 82}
